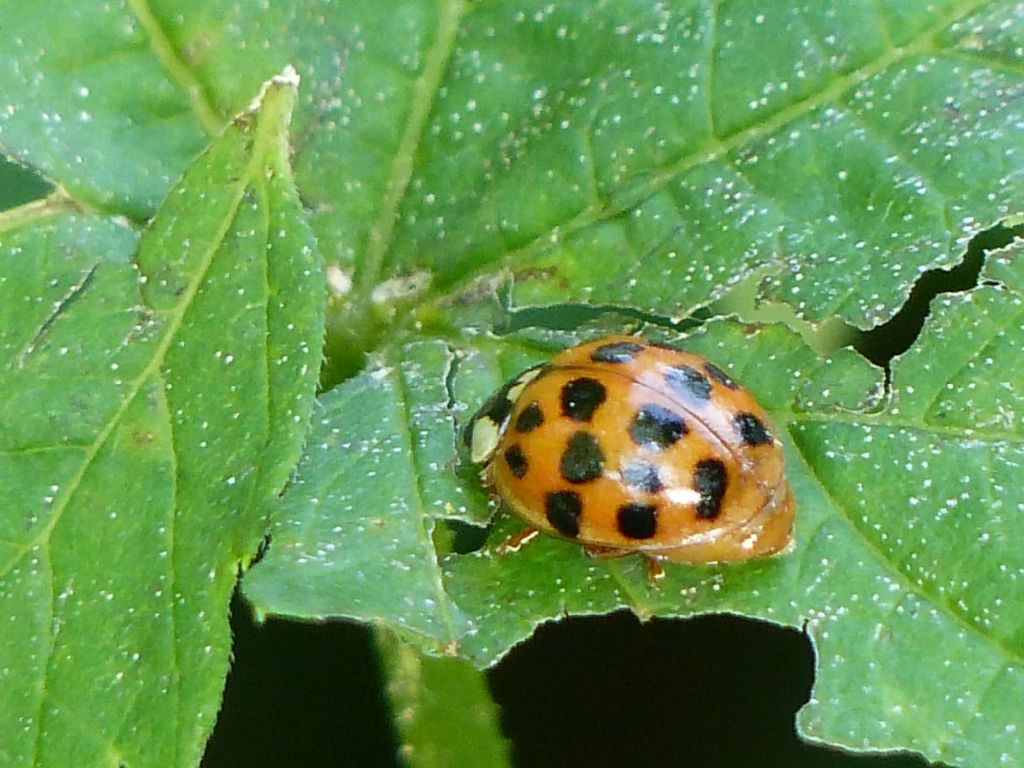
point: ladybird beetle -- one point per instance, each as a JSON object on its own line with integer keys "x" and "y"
{"x": 627, "y": 446}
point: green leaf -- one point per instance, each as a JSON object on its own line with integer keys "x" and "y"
{"x": 92, "y": 106}
{"x": 334, "y": 560}
{"x": 641, "y": 158}
{"x": 151, "y": 404}
{"x": 931, "y": 489}
{"x": 905, "y": 572}
{"x": 585, "y": 147}
{"x": 443, "y": 709}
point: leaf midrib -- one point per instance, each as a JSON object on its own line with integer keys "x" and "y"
{"x": 381, "y": 230}
{"x": 422, "y": 516}
{"x": 175, "y": 318}
{"x": 174, "y": 64}
{"x": 150, "y": 372}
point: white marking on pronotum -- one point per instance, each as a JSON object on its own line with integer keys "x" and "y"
{"x": 483, "y": 439}
{"x": 524, "y": 379}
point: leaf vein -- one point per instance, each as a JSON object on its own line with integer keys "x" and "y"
{"x": 888, "y": 142}
{"x": 909, "y": 584}
{"x": 632, "y": 598}
{"x": 996, "y": 330}
{"x": 998, "y": 64}
{"x": 172, "y": 590}
{"x": 174, "y": 323}
{"x": 427, "y": 85}
{"x": 30, "y": 450}
{"x": 882, "y": 25}
{"x": 176, "y": 67}
{"x": 421, "y": 516}
{"x": 712, "y": 32}
{"x": 863, "y": 420}
{"x": 52, "y": 633}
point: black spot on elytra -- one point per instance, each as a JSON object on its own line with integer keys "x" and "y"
{"x": 642, "y": 476}
{"x": 719, "y": 375}
{"x": 687, "y": 381}
{"x": 656, "y": 426}
{"x": 563, "y": 509}
{"x": 617, "y": 352}
{"x": 529, "y": 418}
{"x": 752, "y": 430}
{"x": 516, "y": 461}
{"x": 709, "y": 480}
{"x": 583, "y": 460}
{"x": 581, "y": 397}
{"x": 638, "y": 521}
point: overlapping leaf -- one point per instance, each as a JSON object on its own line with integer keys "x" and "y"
{"x": 149, "y": 404}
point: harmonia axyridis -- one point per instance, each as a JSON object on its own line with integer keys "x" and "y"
{"x": 629, "y": 446}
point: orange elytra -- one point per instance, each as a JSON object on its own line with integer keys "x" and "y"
{"x": 627, "y": 446}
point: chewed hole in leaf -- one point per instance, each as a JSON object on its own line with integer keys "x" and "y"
{"x": 881, "y": 344}
{"x": 568, "y": 317}
{"x": 465, "y": 538}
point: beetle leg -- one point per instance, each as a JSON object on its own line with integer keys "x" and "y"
{"x": 487, "y": 475}
{"x": 517, "y": 541}
{"x": 603, "y": 553}
{"x": 655, "y": 571}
